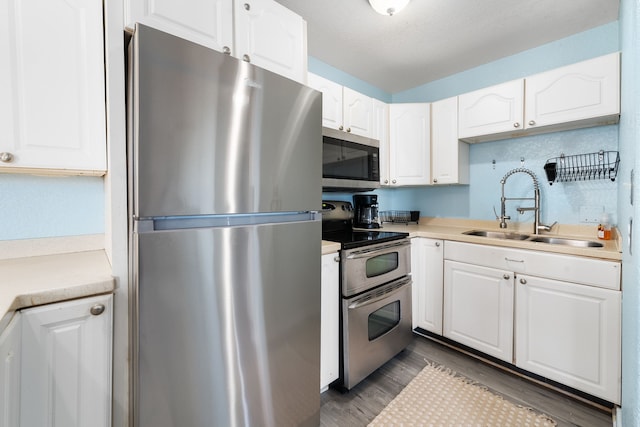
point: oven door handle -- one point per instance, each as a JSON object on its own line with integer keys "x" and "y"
{"x": 373, "y": 252}
{"x": 395, "y": 288}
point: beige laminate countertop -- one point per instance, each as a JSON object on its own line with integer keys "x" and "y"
{"x": 38, "y": 280}
{"x": 453, "y": 229}
{"x": 329, "y": 247}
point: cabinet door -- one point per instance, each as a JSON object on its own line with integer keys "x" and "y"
{"x": 358, "y": 112}
{"x": 450, "y": 157}
{"x": 331, "y": 100}
{"x": 570, "y": 333}
{"x": 206, "y": 22}
{"x": 272, "y": 37}
{"x": 66, "y": 363}
{"x": 409, "y": 146}
{"x": 10, "y": 372}
{"x": 493, "y": 110}
{"x": 330, "y": 317}
{"x": 581, "y": 91}
{"x": 52, "y": 103}
{"x": 427, "y": 274}
{"x": 478, "y": 308}
{"x": 380, "y": 132}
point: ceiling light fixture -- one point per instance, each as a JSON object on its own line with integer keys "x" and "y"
{"x": 388, "y": 7}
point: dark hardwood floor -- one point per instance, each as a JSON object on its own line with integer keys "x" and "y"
{"x": 360, "y": 405}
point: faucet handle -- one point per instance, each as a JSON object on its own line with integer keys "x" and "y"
{"x": 547, "y": 227}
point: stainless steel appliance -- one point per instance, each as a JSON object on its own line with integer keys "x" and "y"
{"x": 366, "y": 214}
{"x": 349, "y": 162}
{"x": 375, "y": 286}
{"x": 225, "y": 245}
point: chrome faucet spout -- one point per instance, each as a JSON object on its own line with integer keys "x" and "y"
{"x": 537, "y": 226}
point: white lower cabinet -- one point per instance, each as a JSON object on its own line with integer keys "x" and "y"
{"x": 427, "y": 275}
{"x": 66, "y": 363}
{"x": 569, "y": 333}
{"x": 478, "y": 308}
{"x": 10, "y": 373}
{"x": 330, "y": 316}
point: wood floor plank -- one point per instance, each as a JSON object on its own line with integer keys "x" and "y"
{"x": 360, "y": 405}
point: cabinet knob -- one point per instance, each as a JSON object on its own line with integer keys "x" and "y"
{"x": 386, "y": 181}
{"x": 348, "y": 129}
{"x": 516, "y": 125}
{"x": 393, "y": 181}
{"x": 532, "y": 122}
{"x": 97, "y": 309}
{"x": 523, "y": 281}
{"x": 435, "y": 180}
{"x": 226, "y": 50}
{"x": 247, "y": 6}
{"x": 437, "y": 244}
{"x": 336, "y": 259}
{"x": 246, "y": 58}
{"x": 341, "y": 127}
{"x": 506, "y": 276}
{"x": 6, "y": 157}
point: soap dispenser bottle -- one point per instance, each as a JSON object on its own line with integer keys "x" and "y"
{"x": 604, "y": 228}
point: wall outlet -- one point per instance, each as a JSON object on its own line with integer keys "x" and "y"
{"x": 591, "y": 214}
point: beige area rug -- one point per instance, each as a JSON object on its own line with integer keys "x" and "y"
{"x": 437, "y": 397}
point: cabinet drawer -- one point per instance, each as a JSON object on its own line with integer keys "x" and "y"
{"x": 587, "y": 271}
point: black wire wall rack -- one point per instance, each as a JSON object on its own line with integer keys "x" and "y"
{"x": 583, "y": 167}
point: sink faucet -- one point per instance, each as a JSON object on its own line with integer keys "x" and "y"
{"x": 537, "y": 226}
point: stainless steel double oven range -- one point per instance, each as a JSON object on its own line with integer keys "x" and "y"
{"x": 375, "y": 293}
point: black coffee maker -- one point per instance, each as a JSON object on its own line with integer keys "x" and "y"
{"x": 366, "y": 211}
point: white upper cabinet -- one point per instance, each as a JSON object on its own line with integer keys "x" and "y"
{"x": 206, "y": 22}
{"x": 409, "y": 152}
{"x": 380, "y": 131}
{"x": 579, "y": 95}
{"x": 331, "y": 100}
{"x": 449, "y": 156}
{"x": 493, "y": 110}
{"x": 582, "y": 91}
{"x": 262, "y": 32}
{"x": 52, "y": 108}
{"x": 357, "y": 112}
{"x": 271, "y": 36}
{"x": 343, "y": 108}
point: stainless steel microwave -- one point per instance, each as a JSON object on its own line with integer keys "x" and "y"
{"x": 349, "y": 162}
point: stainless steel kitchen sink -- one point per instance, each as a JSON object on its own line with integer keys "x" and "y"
{"x": 535, "y": 238}
{"x": 567, "y": 242}
{"x": 497, "y": 234}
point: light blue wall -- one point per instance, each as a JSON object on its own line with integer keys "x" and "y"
{"x": 629, "y": 131}
{"x": 38, "y": 206}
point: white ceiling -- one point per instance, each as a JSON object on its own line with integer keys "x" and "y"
{"x": 432, "y": 39}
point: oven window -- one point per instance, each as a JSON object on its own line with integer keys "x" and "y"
{"x": 381, "y": 264}
{"x": 383, "y": 320}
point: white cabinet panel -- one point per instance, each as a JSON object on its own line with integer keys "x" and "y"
{"x": 358, "y": 112}
{"x": 272, "y": 37}
{"x": 478, "y": 308}
{"x": 493, "y": 110}
{"x": 570, "y": 333}
{"x": 330, "y": 317}
{"x": 449, "y": 156}
{"x": 10, "y": 353}
{"x": 52, "y": 108}
{"x": 581, "y": 91}
{"x": 206, "y": 22}
{"x": 427, "y": 288}
{"x": 331, "y": 100}
{"x": 380, "y": 131}
{"x": 409, "y": 141}
{"x": 66, "y": 364}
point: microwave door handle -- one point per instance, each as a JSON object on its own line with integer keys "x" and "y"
{"x": 363, "y": 302}
{"x": 374, "y": 252}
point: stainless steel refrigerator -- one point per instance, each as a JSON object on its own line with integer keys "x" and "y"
{"x": 225, "y": 185}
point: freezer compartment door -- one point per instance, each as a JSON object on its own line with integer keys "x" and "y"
{"x": 216, "y": 135}
{"x": 229, "y": 326}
